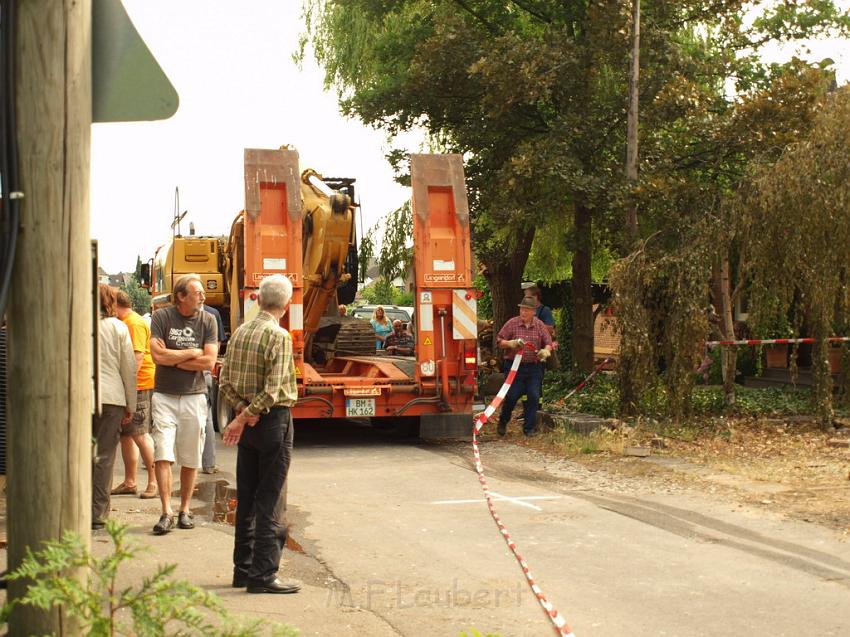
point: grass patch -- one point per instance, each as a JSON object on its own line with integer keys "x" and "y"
{"x": 601, "y": 398}
{"x": 571, "y": 443}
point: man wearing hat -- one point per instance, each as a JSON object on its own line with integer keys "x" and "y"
{"x": 529, "y": 333}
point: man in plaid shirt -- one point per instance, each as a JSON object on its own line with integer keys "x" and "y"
{"x": 258, "y": 380}
{"x": 515, "y": 334}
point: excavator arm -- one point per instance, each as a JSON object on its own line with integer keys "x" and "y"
{"x": 326, "y": 233}
{"x": 328, "y": 242}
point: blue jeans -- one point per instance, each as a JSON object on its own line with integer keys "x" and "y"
{"x": 208, "y": 457}
{"x": 528, "y": 381}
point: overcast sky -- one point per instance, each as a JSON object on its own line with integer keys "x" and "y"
{"x": 231, "y": 64}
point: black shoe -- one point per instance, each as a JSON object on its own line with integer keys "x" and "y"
{"x": 240, "y": 580}
{"x": 184, "y": 520}
{"x": 97, "y": 525}
{"x": 502, "y": 429}
{"x": 165, "y": 524}
{"x": 275, "y": 585}
{"x": 530, "y": 434}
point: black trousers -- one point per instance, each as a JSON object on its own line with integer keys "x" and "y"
{"x": 262, "y": 463}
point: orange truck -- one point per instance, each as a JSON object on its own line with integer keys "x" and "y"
{"x": 297, "y": 225}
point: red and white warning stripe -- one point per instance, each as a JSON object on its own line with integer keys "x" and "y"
{"x": 561, "y": 626}
{"x": 584, "y": 383}
{"x": 776, "y": 341}
{"x": 464, "y": 315}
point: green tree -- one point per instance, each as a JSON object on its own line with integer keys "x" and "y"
{"x": 692, "y": 168}
{"x": 504, "y": 85}
{"x": 140, "y": 298}
{"x": 534, "y": 94}
{"x": 795, "y": 219}
{"x": 379, "y": 292}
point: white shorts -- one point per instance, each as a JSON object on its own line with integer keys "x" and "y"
{"x": 177, "y": 429}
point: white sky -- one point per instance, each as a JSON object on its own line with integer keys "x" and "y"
{"x": 231, "y": 64}
{"x": 232, "y": 67}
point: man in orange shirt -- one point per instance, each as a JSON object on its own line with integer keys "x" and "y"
{"x": 136, "y": 434}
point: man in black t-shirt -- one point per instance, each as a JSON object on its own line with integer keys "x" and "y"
{"x": 184, "y": 344}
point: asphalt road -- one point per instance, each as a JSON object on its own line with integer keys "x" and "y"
{"x": 404, "y": 532}
{"x": 392, "y": 537}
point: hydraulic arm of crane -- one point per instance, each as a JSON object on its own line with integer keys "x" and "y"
{"x": 327, "y": 235}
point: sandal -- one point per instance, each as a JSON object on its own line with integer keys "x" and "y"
{"x": 123, "y": 489}
{"x": 151, "y": 492}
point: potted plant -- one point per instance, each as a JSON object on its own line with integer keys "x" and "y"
{"x": 776, "y": 326}
{"x": 834, "y": 354}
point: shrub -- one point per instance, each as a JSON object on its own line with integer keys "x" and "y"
{"x": 156, "y": 607}
{"x": 601, "y": 398}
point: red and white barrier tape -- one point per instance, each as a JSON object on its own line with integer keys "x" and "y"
{"x": 584, "y": 383}
{"x": 561, "y": 626}
{"x": 776, "y": 341}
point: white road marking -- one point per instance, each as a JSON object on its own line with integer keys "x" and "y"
{"x": 496, "y": 497}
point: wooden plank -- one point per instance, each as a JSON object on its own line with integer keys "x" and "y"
{"x": 50, "y": 313}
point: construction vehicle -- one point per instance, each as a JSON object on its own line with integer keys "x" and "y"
{"x": 302, "y": 226}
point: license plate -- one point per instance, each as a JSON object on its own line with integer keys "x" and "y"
{"x": 359, "y": 407}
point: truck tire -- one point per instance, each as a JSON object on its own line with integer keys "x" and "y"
{"x": 403, "y": 426}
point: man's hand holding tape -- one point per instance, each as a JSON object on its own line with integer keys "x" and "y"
{"x": 514, "y": 343}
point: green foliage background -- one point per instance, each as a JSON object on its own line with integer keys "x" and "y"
{"x": 534, "y": 95}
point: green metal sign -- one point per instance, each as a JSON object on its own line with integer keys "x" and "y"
{"x": 128, "y": 84}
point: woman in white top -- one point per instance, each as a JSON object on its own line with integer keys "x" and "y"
{"x": 117, "y": 366}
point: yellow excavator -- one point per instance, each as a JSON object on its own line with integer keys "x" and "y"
{"x": 329, "y": 255}
{"x": 301, "y": 225}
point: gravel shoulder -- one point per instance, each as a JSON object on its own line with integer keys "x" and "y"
{"x": 788, "y": 466}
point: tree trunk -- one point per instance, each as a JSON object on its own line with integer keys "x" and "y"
{"x": 632, "y": 125}
{"x": 726, "y": 327}
{"x": 50, "y": 306}
{"x": 504, "y": 272}
{"x": 582, "y": 337}
{"x": 821, "y": 374}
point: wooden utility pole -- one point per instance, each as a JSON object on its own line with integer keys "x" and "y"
{"x": 632, "y": 127}
{"x": 50, "y": 305}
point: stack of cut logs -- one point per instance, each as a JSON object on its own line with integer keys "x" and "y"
{"x": 490, "y": 358}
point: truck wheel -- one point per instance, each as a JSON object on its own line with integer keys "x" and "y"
{"x": 407, "y": 426}
{"x": 404, "y": 426}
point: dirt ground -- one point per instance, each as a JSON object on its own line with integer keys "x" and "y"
{"x": 788, "y": 465}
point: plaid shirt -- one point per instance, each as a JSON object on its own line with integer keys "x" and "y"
{"x": 259, "y": 370}
{"x": 402, "y": 339}
{"x": 537, "y": 335}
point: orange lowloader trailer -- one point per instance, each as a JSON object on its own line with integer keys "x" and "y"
{"x": 434, "y": 388}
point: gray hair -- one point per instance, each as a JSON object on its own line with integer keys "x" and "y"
{"x": 182, "y": 286}
{"x": 275, "y": 292}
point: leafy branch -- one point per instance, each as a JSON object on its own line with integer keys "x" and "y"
{"x": 159, "y": 606}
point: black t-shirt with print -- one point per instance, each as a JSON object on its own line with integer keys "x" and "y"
{"x": 182, "y": 332}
